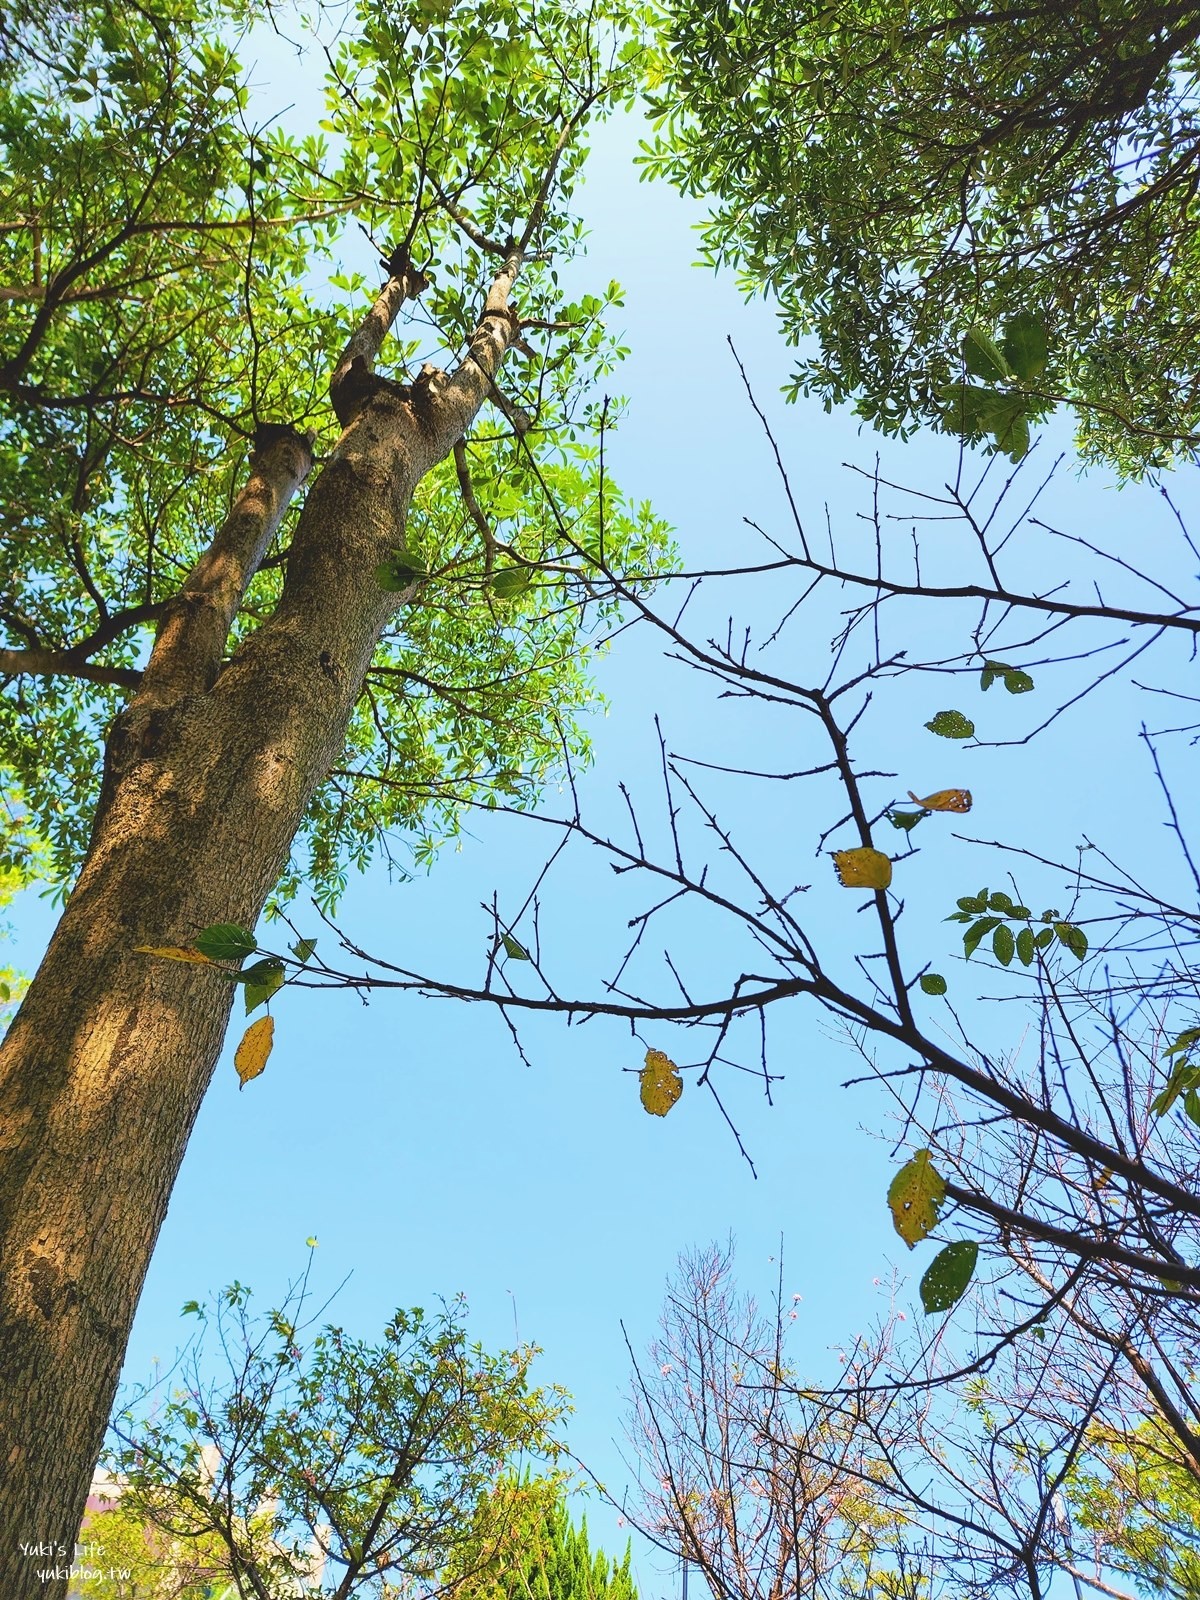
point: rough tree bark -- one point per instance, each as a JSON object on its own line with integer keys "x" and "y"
{"x": 208, "y": 772}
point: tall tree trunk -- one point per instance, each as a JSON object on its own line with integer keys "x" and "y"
{"x": 208, "y": 772}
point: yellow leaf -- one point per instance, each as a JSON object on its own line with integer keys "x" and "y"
{"x": 863, "y": 868}
{"x": 251, "y": 1055}
{"x": 944, "y": 800}
{"x": 661, "y": 1083}
{"x": 171, "y": 953}
{"x": 915, "y": 1194}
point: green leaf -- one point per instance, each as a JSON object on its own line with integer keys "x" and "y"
{"x": 906, "y": 819}
{"x": 1184, "y": 1041}
{"x": 973, "y": 902}
{"x": 951, "y": 725}
{"x": 191, "y": 1308}
{"x": 999, "y": 901}
{"x": 948, "y": 1274}
{"x": 976, "y": 932}
{"x": 933, "y": 983}
{"x": 1025, "y": 946}
{"x": 1003, "y": 944}
{"x": 982, "y": 357}
{"x": 1183, "y": 1079}
{"x": 991, "y": 671}
{"x": 1074, "y": 938}
{"x": 400, "y": 571}
{"x": 1025, "y": 345}
{"x": 510, "y": 582}
{"x": 514, "y": 948}
{"x": 262, "y": 980}
{"x": 226, "y": 941}
{"x": 303, "y": 949}
{"x": 1045, "y": 937}
{"x": 1017, "y": 682}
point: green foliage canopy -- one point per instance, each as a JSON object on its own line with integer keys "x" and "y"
{"x": 174, "y": 277}
{"x": 898, "y": 172}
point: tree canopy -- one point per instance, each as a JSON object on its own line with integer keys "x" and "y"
{"x": 898, "y": 172}
{"x": 176, "y": 280}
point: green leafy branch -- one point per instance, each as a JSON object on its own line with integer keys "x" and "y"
{"x": 1000, "y": 406}
{"x": 994, "y": 913}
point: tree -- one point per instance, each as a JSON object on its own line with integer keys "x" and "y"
{"x": 318, "y": 1458}
{"x": 411, "y": 638}
{"x": 1059, "y": 1181}
{"x": 769, "y": 1495}
{"x": 1138, "y": 1506}
{"x": 524, "y": 1546}
{"x": 904, "y": 174}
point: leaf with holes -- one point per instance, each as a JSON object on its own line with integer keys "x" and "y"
{"x": 863, "y": 868}
{"x": 945, "y": 800}
{"x": 951, "y": 725}
{"x": 661, "y": 1084}
{"x": 915, "y": 1195}
{"x": 933, "y": 983}
{"x": 948, "y": 1274}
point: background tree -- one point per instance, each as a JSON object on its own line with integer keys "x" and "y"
{"x": 768, "y": 1495}
{"x": 317, "y": 1459}
{"x": 1060, "y": 1178}
{"x": 898, "y": 173}
{"x": 524, "y": 1546}
{"x": 413, "y": 637}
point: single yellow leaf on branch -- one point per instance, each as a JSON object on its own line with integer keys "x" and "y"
{"x": 944, "y": 800}
{"x": 661, "y": 1083}
{"x": 915, "y": 1194}
{"x": 863, "y": 868}
{"x": 251, "y": 1055}
{"x": 171, "y": 953}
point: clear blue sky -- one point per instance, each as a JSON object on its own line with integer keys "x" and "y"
{"x": 408, "y": 1137}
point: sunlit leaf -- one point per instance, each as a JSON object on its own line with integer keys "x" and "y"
{"x": 660, "y": 1082}
{"x": 226, "y": 941}
{"x": 172, "y": 953}
{"x": 1025, "y": 345}
{"x": 862, "y": 868}
{"x": 514, "y": 948}
{"x": 511, "y": 581}
{"x": 982, "y": 357}
{"x": 915, "y": 1196}
{"x": 251, "y": 1055}
{"x": 945, "y": 800}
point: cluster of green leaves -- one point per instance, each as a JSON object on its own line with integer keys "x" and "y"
{"x": 995, "y": 913}
{"x": 898, "y": 172}
{"x": 150, "y": 316}
{"x": 388, "y": 1447}
{"x": 1184, "y": 1079}
{"x": 524, "y": 1546}
{"x": 160, "y": 262}
{"x": 1139, "y": 1504}
{"x": 1002, "y": 406}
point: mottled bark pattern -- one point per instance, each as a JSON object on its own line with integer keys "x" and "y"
{"x": 208, "y": 772}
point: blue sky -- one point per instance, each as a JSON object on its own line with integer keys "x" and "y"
{"x": 406, "y": 1134}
